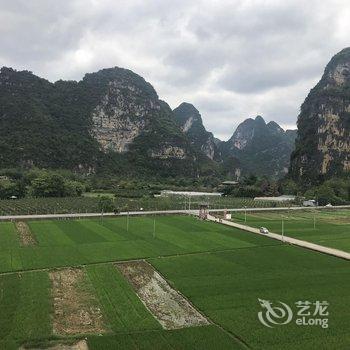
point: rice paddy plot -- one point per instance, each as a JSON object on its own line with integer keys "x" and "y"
{"x": 227, "y": 286}
{"x": 222, "y": 271}
{"x": 25, "y": 308}
{"x": 325, "y": 227}
{"x": 61, "y": 243}
{"x": 121, "y": 306}
{"x": 198, "y": 338}
{"x": 8, "y": 236}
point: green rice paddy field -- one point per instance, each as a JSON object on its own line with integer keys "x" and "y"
{"x": 221, "y": 270}
{"x": 325, "y": 227}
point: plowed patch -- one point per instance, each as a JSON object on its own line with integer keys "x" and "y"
{"x": 168, "y": 306}
{"x": 76, "y": 310}
{"x": 80, "y": 345}
{"x": 25, "y": 236}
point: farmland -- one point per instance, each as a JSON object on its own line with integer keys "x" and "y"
{"x": 227, "y": 285}
{"x": 26, "y": 309}
{"x": 75, "y": 242}
{"x": 90, "y": 204}
{"x": 325, "y": 227}
{"x": 222, "y": 271}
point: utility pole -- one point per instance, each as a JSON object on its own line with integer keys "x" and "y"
{"x": 154, "y": 226}
{"x": 127, "y": 222}
{"x": 314, "y": 221}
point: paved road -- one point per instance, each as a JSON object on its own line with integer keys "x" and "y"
{"x": 150, "y": 212}
{"x": 279, "y": 208}
{"x": 94, "y": 215}
{"x": 286, "y": 239}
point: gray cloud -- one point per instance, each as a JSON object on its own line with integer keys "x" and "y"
{"x": 232, "y": 59}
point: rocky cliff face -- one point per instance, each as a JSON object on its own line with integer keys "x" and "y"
{"x": 260, "y": 148}
{"x": 129, "y": 110}
{"x": 323, "y": 142}
{"x": 243, "y": 134}
{"x": 119, "y": 118}
{"x": 112, "y": 120}
{"x": 191, "y": 124}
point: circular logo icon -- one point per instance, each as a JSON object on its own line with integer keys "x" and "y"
{"x": 274, "y": 315}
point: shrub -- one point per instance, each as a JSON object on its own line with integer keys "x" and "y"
{"x": 106, "y": 204}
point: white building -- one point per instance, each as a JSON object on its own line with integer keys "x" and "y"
{"x": 167, "y": 193}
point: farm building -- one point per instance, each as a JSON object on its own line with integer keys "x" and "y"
{"x": 167, "y": 193}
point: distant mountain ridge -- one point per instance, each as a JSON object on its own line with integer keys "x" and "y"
{"x": 191, "y": 124}
{"x": 261, "y": 148}
{"x": 254, "y": 148}
{"x": 113, "y": 121}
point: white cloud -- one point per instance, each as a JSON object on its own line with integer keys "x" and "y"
{"x": 231, "y": 59}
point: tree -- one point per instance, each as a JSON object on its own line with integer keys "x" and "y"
{"x": 290, "y": 187}
{"x": 8, "y": 188}
{"x": 73, "y": 188}
{"x": 325, "y": 195}
{"x": 48, "y": 184}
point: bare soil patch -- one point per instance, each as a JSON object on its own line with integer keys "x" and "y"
{"x": 25, "y": 235}
{"x": 76, "y": 310}
{"x": 168, "y": 306}
{"x": 80, "y": 345}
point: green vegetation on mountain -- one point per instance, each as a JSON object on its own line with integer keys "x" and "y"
{"x": 52, "y": 125}
{"x": 259, "y": 148}
{"x": 111, "y": 124}
{"x": 41, "y": 125}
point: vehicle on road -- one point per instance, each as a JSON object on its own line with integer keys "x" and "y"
{"x": 310, "y": 203}
{"x": 264, "y": 230}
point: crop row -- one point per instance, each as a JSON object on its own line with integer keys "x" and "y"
{"x": 91, "y": 204}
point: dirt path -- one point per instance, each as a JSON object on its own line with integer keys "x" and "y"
{"x": 80, "y": 345}
{"x": 25, "y": 235}
{"x": 76, "y": 310}
{"x": 168, "y": 306}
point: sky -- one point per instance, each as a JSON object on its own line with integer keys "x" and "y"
{"x": 230, "y": 59}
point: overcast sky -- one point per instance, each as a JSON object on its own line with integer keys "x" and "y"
{"x": 231, "y": 59}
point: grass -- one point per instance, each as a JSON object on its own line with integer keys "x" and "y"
{"x": 75, "y": 242}
{"x": 25, "y": 308}
{"x": 332, "y": 227}
{"x": 200, "y": 338}
{"x": 120, "y": 304}
{"x": 223, "y": 271}
{"x": 9, "y": 236}
{"x": 226, "y": 287}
